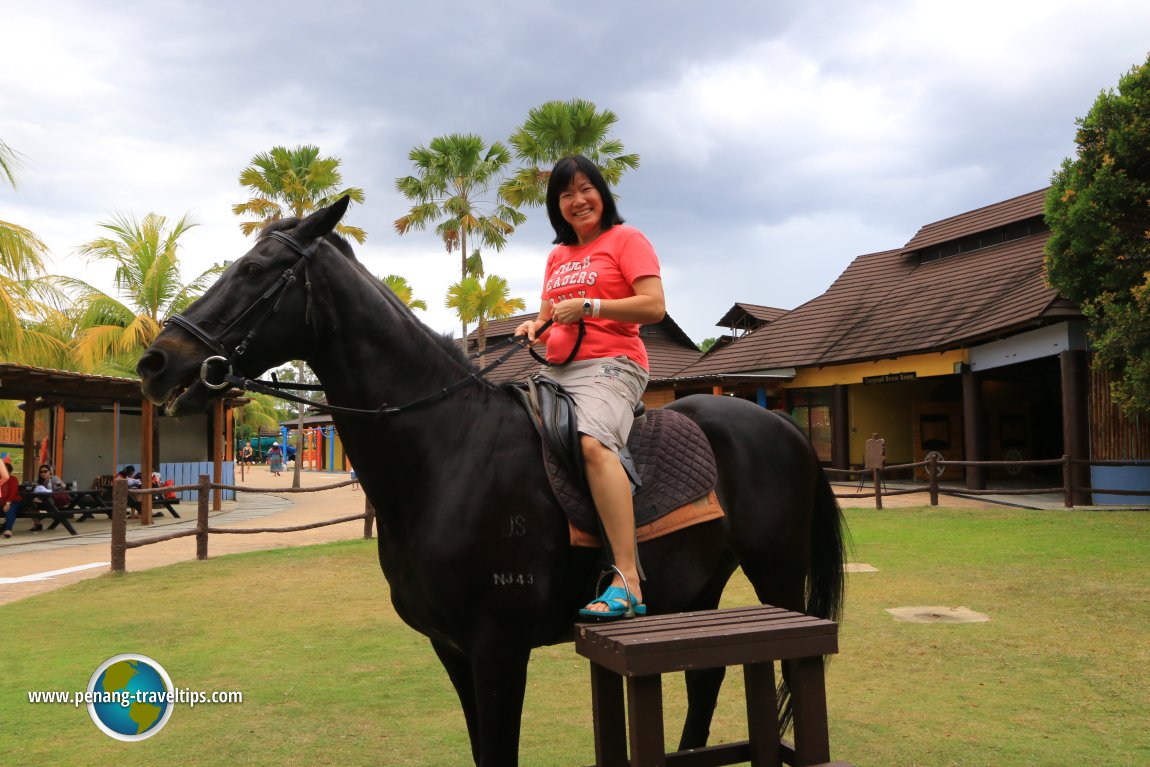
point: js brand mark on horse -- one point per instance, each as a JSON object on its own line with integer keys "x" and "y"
{"x": 445, "y": 476}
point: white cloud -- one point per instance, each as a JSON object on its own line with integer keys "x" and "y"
{"x": 778, "y": 141}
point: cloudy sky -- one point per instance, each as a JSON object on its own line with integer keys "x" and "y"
{"x": 778, "y": 140}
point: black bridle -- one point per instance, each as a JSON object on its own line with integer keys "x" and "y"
{"x": 276, "y": 291}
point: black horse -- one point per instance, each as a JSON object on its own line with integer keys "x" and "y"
{"x": 471, "y": 540}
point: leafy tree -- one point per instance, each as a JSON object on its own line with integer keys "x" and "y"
{"x": 113, "y": 333}
{"x": 259, "y": 413}
{"x": 1098, "y": 255}
{"x": 402, "y": 290}
{"x": 295, "y": 372}
{"x": 293, "y": 182}
{"x": 478, "y": 301}
{"x": 456, "y": 187}
{"x": 706, "y": 345}
{"x": 22, "y": 256}
{"x": 555, "y": 130}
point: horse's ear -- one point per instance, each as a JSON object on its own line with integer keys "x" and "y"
{"x": 323, "y": 221}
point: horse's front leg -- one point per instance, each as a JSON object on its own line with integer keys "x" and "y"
{"x": 458, "y": 669}
{"x": 499, "y": 679}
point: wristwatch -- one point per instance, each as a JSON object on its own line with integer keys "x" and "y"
{"x": 586, "y": 307}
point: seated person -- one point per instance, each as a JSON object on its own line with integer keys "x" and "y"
{"x": 134, "y": 482}
{"x": 129, "y": 473}
{"x": 9, "y": 496}
{"x": 49, "y": 480}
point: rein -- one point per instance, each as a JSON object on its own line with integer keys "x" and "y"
{"x": 274, "y": 388}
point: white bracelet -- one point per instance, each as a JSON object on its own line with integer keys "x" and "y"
{"x": 595, "y": 307}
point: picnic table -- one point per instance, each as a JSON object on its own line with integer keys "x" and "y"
{"x": 158, "y": 499}
{"x": 53, "y": 506}
{"x": 80, "y": 505}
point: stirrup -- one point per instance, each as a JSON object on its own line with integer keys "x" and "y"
{"x": 629, "y": 612}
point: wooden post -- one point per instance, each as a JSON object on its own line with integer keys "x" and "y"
{"x": 119, "y": 525}
{"x": 932, "y": 475}
{"x": 840, "y": 428}
{"x": 30, "y": 459}
{"x": 202, "y": 518}
{"x": 877, "y": 488}
{"x": 58, "y": 442}
{"x": 1067, "y": 482}
{"x": 147, "y": 418}
{"x": 972, "y": 429}
{"x": 370, "y": 520}
{"x": 1075, "y": 366}
{"x": 115, "y": 438}
{"x": 218, "y": 452}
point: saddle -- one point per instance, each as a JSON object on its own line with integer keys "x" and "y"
{"x": 668, "y": 458}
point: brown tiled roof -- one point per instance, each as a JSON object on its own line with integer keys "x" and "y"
{"x": 886, "y": 304}
{"x": 820, "y": 324}
{"x": 980, "y": 220}
{"x": 763, "y": 314}
{"x": 669, "y": 349}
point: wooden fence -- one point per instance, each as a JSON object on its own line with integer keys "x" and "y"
{"x": 934, "y": 467}
{"x": 203, "y": 490}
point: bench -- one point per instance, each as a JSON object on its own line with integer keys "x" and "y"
{"x": 640, "y": 650}
{"x": 158, "y": 499}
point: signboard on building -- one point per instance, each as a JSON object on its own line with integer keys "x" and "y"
{"x": 890, "y": 378}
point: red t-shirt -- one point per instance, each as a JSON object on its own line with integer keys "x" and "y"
{"x": 605, "y": 268}
{"x": 9, "y": 491}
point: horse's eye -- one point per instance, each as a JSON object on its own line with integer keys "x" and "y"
{"x": 252, "y": 270}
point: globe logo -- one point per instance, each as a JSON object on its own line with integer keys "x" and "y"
{"x": 130, "y": 697}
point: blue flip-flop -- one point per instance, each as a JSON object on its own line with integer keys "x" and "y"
{"x": 616, "y": 600}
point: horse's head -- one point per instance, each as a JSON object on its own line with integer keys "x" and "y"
{"x": 255, "y": 317}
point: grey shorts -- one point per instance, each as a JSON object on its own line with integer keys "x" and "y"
{"x": 606, "y": 392}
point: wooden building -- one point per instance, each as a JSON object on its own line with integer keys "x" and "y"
{"x": 87, "y": 426}
{"x": 953, "y": 343}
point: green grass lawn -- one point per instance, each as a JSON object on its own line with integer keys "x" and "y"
{"x": 330, "y": 676}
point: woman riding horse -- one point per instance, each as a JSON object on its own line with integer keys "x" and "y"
{"x": 605, "y": 275}
{"x": 473, "y": 544}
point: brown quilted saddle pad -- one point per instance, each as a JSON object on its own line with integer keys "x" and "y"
{"x": 674, "y": 462}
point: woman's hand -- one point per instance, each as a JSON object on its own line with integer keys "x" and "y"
{"x": 527, "y": 329}
{"x": 568, "y": 312}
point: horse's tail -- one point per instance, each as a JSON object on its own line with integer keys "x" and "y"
{"x": 829, "y": 543}
{"x": 826, "y": 582}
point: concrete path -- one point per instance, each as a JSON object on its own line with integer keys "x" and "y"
{"x": 32, "y": 563}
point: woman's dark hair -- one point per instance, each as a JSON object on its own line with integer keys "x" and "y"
{"x": 561, "y": 177}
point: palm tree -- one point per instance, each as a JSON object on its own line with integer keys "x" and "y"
{"x": 457, "y": 175}
{"x": 482, "y": 301}
{"x": 558, "y": 129}
{"x": 112, "y": 333}
{"x": 9, "y": 161}
{"x": 293, "y": 182}
{"x": 402, "y": 290}
{"x": 22, "y": 256}
{"x": 259, "y": 412}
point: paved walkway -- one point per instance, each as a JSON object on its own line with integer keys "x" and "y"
{"x": 32, "y": 563}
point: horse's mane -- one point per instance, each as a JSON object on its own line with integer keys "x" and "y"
{"x": 443, "y": 341}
